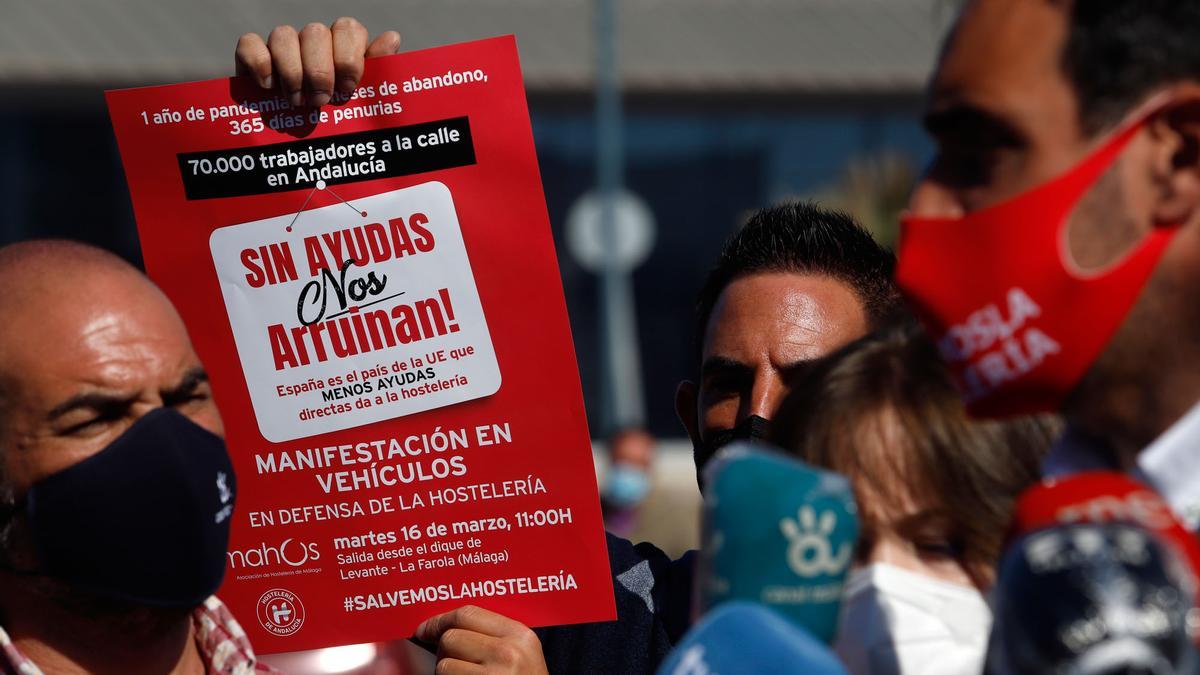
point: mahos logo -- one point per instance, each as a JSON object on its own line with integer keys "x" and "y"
{"x": 280, "y": 612}
{"x": 290, "y": 552}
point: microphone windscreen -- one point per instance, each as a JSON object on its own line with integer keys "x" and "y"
{"x": 777, "y": 532}
{"x": 1091, "y": 599}
{"x": 741, "y": 637}
{"x": 1104, "y": 497}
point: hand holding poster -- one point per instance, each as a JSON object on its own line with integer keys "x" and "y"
{"x": 372, "y": 286}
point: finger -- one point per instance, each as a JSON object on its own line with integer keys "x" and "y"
{"x": 384, "y": 44}
{"x": 316, "y": 50}
{"x": 456, "y": 667}
{"x": 349, "y": 46}
{"x": 285, "y": 55}
{"x": 472, "y": 618}
{"x": 253, "y": 59}
{"x": 466, "y": 645}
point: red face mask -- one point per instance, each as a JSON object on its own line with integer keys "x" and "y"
{"x": 1019, "y": 324}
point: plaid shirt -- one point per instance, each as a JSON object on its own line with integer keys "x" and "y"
{"x": 223, "y": 645}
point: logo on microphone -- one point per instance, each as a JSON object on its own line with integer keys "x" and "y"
{"x": 280, "y": 612}
{"x": 809, "y": 550}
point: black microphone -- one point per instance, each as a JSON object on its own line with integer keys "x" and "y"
{"x": 1092, "y": 599}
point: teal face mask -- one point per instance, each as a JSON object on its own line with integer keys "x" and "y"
{"x": 626, "y": 486}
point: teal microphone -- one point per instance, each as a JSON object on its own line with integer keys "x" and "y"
{"x": 779, "y": 533}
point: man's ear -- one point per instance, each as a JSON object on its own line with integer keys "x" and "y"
{"x": 1176, "y": 157}
{"x": 686, "y": 400}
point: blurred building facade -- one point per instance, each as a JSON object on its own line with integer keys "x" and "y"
{"x": 730, "y": 105}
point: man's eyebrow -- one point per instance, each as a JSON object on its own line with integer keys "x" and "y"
{"x": 722, "y": 363}
{"x": 963, "y": 118}
{"x": 92, "y": 400}
{"x": 187, "y": 384}
{"x": 800, "y": 366}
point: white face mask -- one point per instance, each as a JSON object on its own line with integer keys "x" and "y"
{"x": 896, "y": 622}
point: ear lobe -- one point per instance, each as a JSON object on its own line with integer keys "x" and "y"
{"x": 1177, "y": 161}
{"x": 686, "y": 400}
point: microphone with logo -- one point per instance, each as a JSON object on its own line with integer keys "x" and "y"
{"x": 1104, "y": 497}
{"x": 742, "y": 637}
{"x": 1092, "y": 599}
{"x": 776, "y": 532}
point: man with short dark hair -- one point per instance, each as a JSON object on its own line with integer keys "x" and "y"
{"x": 793, "y": 284}
{"x": 1054, "y": 246}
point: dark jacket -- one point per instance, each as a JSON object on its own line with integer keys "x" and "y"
{"x": 653, "y": 597}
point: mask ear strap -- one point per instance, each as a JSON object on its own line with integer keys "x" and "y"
{"x": 1101, "y": 157}
{"x": 1152, "y": 106}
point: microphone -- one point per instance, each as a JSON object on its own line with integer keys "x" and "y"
{"x": 776, "y": 532}
{"x": 741, "y": 637}
{"x": 1092, "y": 599}
{"x": 1104, "y": 497}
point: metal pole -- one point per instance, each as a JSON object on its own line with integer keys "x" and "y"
{"x": 620, "y": 365}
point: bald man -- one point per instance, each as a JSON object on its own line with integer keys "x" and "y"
{"x": 115, "y": 487}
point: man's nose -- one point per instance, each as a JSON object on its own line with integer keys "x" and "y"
{"x": 766, "y": 394}
{"x": 933, "y": 199}
{"x": 142, "y": 407}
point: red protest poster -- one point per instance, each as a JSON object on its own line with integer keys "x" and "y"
{"x": 374, "y": 291}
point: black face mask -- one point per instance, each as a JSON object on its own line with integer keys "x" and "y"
{"x": 753, "y": 428}
{"x": 145, "y": 520}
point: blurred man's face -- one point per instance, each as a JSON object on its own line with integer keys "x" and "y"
{"x": 1005, "y": 119}
{"x": 633, "y": 448}
{"x": 764, "y": 329}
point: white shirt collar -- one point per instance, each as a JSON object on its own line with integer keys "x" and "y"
{"x": 1171, "y": 464}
